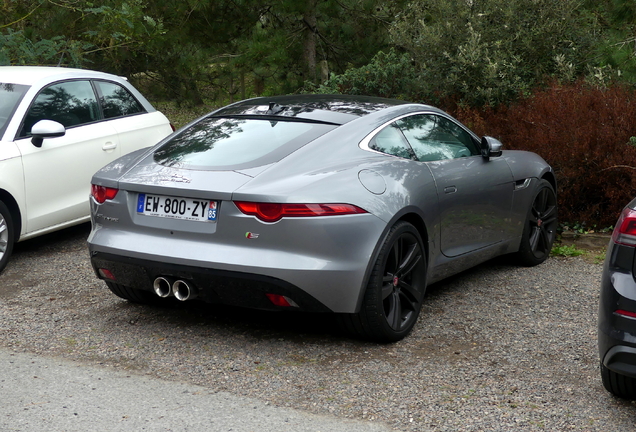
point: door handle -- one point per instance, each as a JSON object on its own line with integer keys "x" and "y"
{"x": 450, "y": 189}
{"x": 109, "y": 146}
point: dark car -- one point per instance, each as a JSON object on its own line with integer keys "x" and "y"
{"x": 617, "y": 309}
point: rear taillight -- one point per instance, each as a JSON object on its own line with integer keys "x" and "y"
{"x": 281, "y": 300}
{"x": 102, "y": 193}
{"x": 106, "y": 274}
{"x": 625, "y": 313}
{"x": 272, "y": 212}
{"x": 625, "y": 230}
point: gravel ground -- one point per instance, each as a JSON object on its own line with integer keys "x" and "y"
{"x": 497, "y": 348}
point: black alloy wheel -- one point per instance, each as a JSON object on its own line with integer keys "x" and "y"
{"x": 394, "y": 295}
{"x": 540, "y": 227}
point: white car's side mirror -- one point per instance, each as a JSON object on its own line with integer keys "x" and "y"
{"x": 46, "y": 129}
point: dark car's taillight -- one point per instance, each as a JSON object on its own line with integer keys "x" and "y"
{"x": 102, "y": 193}
{"x": 625, "y": 230}
{"x": 272, "y": 212}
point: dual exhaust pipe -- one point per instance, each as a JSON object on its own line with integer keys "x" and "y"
{"x": 165, "y": 287}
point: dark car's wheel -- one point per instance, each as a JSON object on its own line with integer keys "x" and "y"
{"x": 540, "y": 227}
{"x": 619, "y": 385}
{"x": 133, "y": 294}
{"x": 394, "y": 294}
{"x": 7, "y": 235}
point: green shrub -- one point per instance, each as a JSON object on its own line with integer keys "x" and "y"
{"x": 390, "y": 74}
{"x": 489, "y": 52}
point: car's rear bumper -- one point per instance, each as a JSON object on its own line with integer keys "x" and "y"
{"x": 213, "y": 286}
{"x": 327, "y": 258}
{"x": 616, "y": 331}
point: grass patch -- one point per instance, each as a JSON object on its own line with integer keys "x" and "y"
{"x": 566, "y": 251}
{"x": 599, "y": 258}
{"x": 596, "y": 256}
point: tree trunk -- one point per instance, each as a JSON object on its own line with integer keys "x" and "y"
{"x": 309, "y": 48}
{"x": 192, "y": 92}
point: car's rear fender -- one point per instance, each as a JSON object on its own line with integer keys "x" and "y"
{"x": 413, "y": 216}
{"x": 616, "y": 332}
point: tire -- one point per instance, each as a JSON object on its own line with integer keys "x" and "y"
{"x": 540, "y": 227}
{"x": 395, "y": 291}
{"x": 133, "y": 294}
{"x": 7, "y": 235}
{"x": 619, "y": 385}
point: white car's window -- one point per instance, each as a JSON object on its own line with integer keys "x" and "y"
{"x": 10, "y": 97}
{"x": 116, "y": 100}
{"x": 71, "y": 103}
{"x": 434, "y": 137}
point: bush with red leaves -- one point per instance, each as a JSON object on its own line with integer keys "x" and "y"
{"x": 586, "y": 135}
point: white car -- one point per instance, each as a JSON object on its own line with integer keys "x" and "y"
{"x": 58, "y": 126}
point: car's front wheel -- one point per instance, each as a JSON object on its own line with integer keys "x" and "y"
{"x": 540, "y": 227}
{"x": 619, "y": 385}
{"x": 7, "y": 235}
{"x": 395, "y": 291}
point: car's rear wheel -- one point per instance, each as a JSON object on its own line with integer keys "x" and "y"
{"x": 540, "y": 227}
{"x": 395, "y": 291}
{"x": 7, "y": 235}
{"x": 133, "y": 294}
{"x": 619, "y": 385}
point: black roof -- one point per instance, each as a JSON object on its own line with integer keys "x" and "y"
{"x": 338, "y": 109}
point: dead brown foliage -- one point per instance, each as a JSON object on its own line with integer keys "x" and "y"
{"x": 584, "y": 133}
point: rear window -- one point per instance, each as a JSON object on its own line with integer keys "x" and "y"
{"x": 237, "y": 143}
{"x": 117, "y": 101}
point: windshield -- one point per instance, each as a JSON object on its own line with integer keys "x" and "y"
{"x": 237, "y": 143}
{"x": 10, "y": 97}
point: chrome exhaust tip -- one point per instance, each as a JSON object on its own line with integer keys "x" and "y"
{"x": 183, "y": 291}
{"x": 162, "y": 287}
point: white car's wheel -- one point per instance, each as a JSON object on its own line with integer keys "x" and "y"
{"x": 7, "y": 235}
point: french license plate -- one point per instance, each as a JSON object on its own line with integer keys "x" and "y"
{"x": 177, "y": 208}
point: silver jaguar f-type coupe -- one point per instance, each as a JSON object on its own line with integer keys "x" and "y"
{"x": 341, "y": 204}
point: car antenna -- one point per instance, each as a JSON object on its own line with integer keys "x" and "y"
{"x": 60, "y": 62}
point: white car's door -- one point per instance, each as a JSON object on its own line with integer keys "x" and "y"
{"x": 57, "y": 175}
{"x": 136, "y": 127}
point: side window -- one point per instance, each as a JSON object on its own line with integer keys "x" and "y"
{"x": 390, "y": 140}
{"x": 71, "y": 103}
{"x": 460, "y": 134}
{"x": 436, "y": 138}
{"x": 116, "y": 100}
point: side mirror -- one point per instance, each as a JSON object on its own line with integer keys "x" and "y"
{"x": 490, "y": 147}
{"x": 46, "y": 129}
